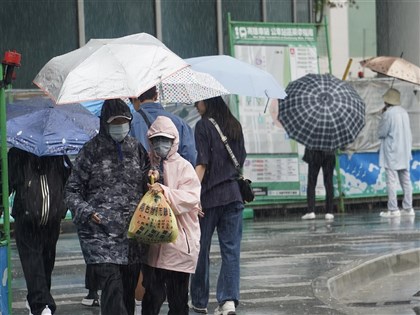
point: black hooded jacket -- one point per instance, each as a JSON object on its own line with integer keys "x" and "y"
{"x": 108, "y": 178}
{"x": 39, "y": 186}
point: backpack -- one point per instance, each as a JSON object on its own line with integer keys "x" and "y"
{"x": 38, "y": 183}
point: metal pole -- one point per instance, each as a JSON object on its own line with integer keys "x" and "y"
{"x": 327, "y": 40}
{"x": 264, "y": 10}
{"x": 81, "y": 22}
{"x": 219, "y": 27}
{"x": 5, "y": 188}
{"x": 158, "y": 14}
{"x": 337, "y": 160}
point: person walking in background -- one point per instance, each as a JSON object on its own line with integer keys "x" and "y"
{"x": 148, "y": 109}
{"x": 222, "y": 205}
{"x": 103, "y": 191}
{"x": 38, "y": 208}
{"x": 316, "y": 160}
{"x": 395, "y": 153}
{"x": 166, "y": 273}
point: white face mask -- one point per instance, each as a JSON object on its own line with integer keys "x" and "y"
{"x": 119, "y": 132}
{"x": 162, "y": 146}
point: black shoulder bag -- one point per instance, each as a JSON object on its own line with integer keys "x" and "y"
{"x": 244, "y": 184}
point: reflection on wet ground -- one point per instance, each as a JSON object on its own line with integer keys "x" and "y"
{"x": 280, "y": 261}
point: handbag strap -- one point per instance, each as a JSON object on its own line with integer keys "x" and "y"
{"x": 225, "y": 142}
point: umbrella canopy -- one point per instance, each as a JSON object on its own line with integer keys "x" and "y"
{"x": 239, "y": 77}
{"x": 38, "y": 126}
{"x": 394, "y": 67}
{"x": 188, "y": 86}
{"x": 108, "y": 68}
{"x": 322, "y": 112}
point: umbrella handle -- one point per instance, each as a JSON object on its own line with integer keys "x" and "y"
{"x": 402, "y": 53}
{"x": 268, "y": 99}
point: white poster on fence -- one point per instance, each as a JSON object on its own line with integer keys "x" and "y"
{"x": 262, "y": 130}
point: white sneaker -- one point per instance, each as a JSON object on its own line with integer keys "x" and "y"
{"x": 390, "y": 214}
{"x": 28, "y": 307}
{"x": 46, "y": 311}
{"x": 138, "y": 307}
{"x": 309, "y": 216}
{"x": 199, "y": 310}
{"x": 408, "y": 212}
{"x": 228, "y": 308}
{"x": 329, "y": 216}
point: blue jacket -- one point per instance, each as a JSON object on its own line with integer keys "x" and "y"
{"x": 186, "y": 135}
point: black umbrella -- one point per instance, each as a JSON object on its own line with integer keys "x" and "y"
{"x": 322, "y": 112}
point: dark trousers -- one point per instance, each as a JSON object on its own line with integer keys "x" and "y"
{"x": 90, "y": 281}
{"x": 160, "y": 284}
{"x": 37, "y": 247}
{"x": 118, "y": 284}
{"x": 327, "y": 163}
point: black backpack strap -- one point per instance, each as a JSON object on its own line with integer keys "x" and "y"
{"x": 146, "y": 119}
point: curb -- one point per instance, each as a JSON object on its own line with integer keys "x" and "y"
{"x": 348, "y": 287}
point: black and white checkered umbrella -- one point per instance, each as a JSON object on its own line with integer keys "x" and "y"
{"x": 322, "y": 112}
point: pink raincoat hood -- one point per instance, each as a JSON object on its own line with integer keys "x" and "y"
{"x": 165, "y": 127}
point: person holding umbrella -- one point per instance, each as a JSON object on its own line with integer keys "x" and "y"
{"x": 317, "y": 160}
{"x": 324, "y": 114}
{"x": 395, "y": 153}
{"x": 222, "y": 204}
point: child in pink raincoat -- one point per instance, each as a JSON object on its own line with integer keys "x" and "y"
{"x": 167, "y": 271}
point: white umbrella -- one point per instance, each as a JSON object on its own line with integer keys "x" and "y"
{"x": 239, "y": 77}
{"x": 188, "y": 86}
{"x": 108, "y": 68}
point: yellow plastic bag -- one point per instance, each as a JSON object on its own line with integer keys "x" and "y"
{"x": 153, "y": 221}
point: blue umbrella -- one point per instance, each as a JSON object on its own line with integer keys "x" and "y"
{"x": 95, "y": 107}
{"x": 40, "y": 127}
{"x": 239, "y": 77}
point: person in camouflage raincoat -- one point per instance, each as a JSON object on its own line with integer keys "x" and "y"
{"x": 105, "y": 186}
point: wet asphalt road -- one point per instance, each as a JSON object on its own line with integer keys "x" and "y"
{"x": 281, "y": 260}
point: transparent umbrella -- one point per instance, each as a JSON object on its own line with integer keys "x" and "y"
{"x": 239, "y": 77}
{"x": 108, "y": 68}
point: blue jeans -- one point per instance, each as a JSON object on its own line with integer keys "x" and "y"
{"x": 228, "y": 221}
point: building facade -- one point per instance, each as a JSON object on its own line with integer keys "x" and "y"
{"x": 42, "y": 29}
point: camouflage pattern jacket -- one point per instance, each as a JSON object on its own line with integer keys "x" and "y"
{"x": 108, "y": 178}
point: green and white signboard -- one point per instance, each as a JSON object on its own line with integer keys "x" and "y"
{"x": 288, "y": 52}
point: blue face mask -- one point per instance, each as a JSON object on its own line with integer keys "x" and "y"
{"x": 162, "y": 146}
{"x": 119, "y": 132}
